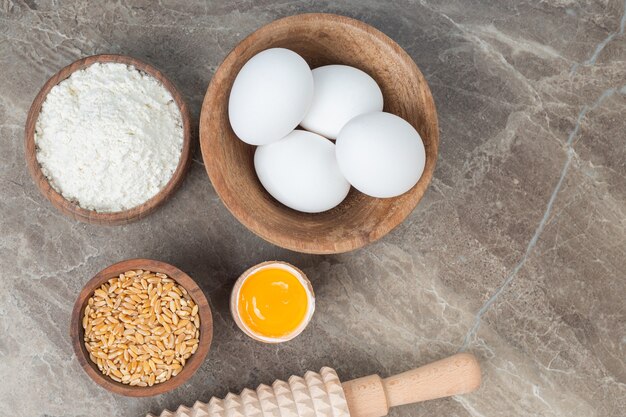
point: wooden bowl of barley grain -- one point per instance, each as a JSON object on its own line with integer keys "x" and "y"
{"x": 137, "y": 327}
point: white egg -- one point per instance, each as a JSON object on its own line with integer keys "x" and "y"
{"x": 301, "y": 172}
{"x": 270, "y": 96}
{"x": 340, "y": 94}
{"x": 380, "y": 154}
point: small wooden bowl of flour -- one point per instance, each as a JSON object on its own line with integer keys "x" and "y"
{"x": 108, "y": 139}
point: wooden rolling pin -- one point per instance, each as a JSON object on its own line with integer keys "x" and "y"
{"x": 322, "y": 395}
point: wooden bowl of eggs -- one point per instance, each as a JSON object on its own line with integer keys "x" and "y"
{"x": 331, "y": 185}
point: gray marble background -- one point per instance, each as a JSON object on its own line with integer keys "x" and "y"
{"x": 517, "y": 253}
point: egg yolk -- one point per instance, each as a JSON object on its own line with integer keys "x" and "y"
{"x": 272, "y": 302}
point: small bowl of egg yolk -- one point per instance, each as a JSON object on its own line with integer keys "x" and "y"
{"x": 272, "y": 302}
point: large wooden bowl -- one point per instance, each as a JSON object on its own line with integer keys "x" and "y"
{"x": 77, "y": 332}
{"x": 321, "y": 39}
{"x": 71, "y": 208}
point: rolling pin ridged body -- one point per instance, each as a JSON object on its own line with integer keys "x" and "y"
{"x": 322, "y": 395}
{"x": 315, "y": 395}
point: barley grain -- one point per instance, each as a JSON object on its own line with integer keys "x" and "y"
{"x": 140, "y": 328}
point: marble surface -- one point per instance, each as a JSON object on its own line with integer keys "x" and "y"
{"x": 517, "y": 253}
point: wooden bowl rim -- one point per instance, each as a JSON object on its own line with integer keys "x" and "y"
{"x": 279, "y": 237}
{"x": 71, "y": 208}
{"x": 193, "y": 363}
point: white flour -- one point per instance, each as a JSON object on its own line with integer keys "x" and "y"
{"x": 109, "y": 137}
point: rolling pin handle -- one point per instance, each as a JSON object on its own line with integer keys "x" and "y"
{"x": 372, "y": 396}
{"x": 366, "y": 397}
{"x": 458, "y": 374}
